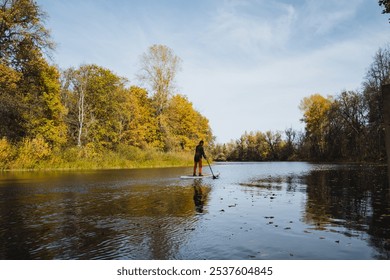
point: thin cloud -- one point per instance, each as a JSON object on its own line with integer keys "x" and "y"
{"x": 323, "y": 17}
{"x": 250, "y": 28}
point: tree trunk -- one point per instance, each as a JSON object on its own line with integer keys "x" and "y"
{"x": 81, "y": 112}
{"x": 386, "y": 113}
{"x": 81, "y": 118}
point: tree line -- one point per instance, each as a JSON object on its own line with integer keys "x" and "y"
{"x": 54, "y": 115}
{"x": 346, "y": 127}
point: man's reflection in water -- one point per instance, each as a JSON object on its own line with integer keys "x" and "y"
{"x": 199, "y": 197}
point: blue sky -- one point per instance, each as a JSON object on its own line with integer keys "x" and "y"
{"x": 246, "y": 64}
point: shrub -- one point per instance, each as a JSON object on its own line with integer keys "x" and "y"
{"x": 7, "y": 153}
{"x": 90, "y": 151}
{"x": 31, "y": 152}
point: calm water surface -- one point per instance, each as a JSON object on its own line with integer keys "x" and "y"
{"x": 253, "y": 211}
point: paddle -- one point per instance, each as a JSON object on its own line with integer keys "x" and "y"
{"x": 214, "y": 177}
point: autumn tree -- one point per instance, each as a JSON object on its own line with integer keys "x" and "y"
{"x": 43, "y": 110}
{"x": 44, "y": 113}
{"x": 74, "y": 90}
{"x": 22, "y": 33}
{"x": 274, "y": 141}
{"x": 158, "y": 70}
{"x": 180, "y": 125}
{"x": 29, "y": 92}
{"x": 315, "y": 109}
{"x": 254, "y": 146}
{"x": 185, "y": 125}
{"x": 93, "y": 96}
{"x": 137, "y": 120}
{"x": 10, "y": 111}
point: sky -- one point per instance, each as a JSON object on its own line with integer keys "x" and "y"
{"x": 246, "y": 64}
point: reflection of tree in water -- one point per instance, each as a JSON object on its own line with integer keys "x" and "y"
{"x": 355, "y": 198}
{"x": 200, "y": 195}
{"x": 134, "y": 222}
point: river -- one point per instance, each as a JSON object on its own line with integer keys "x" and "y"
{"x": 267, "y": 210}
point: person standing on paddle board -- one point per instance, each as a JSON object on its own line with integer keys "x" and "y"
{"x": 199, "y": 153}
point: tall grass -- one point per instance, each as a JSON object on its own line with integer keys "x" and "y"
{"x": 36, "y": 154}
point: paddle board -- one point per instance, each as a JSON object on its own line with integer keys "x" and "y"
{"x": 198, "y": 177}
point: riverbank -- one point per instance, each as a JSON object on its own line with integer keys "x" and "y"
{"x": 91, "y": 158}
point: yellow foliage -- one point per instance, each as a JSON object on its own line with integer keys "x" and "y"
{"x": 8, "y": 78}
{"x": 315, "y": 114}
{"x": 6, "y": 153}
{"x": 31, "y": 152}
{"x": 89, "y": 151}
{"x": 186, "y": 125}
{"x": 315, "y": 108}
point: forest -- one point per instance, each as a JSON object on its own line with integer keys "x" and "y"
{"x": 89, "y": 117}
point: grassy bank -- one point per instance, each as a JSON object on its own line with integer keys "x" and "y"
{"x": 37, "y": 155}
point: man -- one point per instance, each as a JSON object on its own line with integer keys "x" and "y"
{"x": 199, "y": 153}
